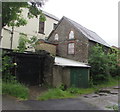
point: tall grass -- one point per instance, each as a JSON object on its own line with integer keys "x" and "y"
{"x": 0, "y": 86}
{"x": 55, "y": 93}
{"x": 15, "y": 89}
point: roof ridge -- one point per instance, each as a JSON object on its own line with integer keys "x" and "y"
{"x": 50, "y": 15}
{"x": 87, "y": 32}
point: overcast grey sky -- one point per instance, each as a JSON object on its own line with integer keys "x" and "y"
{"x": 100, "y": 16}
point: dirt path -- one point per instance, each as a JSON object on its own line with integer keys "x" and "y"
{"x": 35, "y": 91}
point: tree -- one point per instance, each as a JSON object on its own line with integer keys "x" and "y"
{"x": 103, "y": 65}
{"x": 11, "y": 12}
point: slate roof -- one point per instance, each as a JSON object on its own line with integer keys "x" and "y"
{"x": 88, "y": 33}
{"x": 51, "y": 16}
{"x": 68, "y": 62}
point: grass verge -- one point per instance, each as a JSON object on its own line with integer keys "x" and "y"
{"x": 55, "y": 93}
{"x": 58, "y": 93}
{"x": 15, "y": 89}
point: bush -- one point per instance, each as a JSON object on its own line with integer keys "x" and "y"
{"x": 103, "y": 65}
{"x": 55, "y": 93}
{"x": 7, "y": 66}
{"x": 15, "y": 89}
{"x": 10, "y": 85}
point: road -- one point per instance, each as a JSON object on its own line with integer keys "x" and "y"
{"x": 10, "y": 103}
{"x": 92, "y": 101}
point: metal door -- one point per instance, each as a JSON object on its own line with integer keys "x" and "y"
{"x": 79, "y": 77}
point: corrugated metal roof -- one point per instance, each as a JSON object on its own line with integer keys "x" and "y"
{"x": 67, "y": 62}
{"x": 88, "y": 33}
{"x": 51, "y": 16}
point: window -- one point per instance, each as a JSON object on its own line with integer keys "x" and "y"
{"x": 71, "y": 35}
{"x": 54, "y": 25}
{"x": 71, "y": 48}
{"x": 41, "y": 27}
{"x": 56, "y": 37}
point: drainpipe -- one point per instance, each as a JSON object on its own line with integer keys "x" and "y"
{"x": 11, "y": 40}
{"x": 1, "y": 35}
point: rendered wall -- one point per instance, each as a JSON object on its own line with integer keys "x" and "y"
{"x": 31, "y": 29}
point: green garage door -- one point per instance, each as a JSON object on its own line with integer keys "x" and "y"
{"x": 79, "y": 77}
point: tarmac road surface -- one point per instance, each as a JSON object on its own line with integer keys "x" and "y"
{"x": 11, "y": 103}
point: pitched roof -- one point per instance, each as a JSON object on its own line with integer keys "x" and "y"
{"x": 88, "y": 33}
{"x": 51, "y": 16}
{"x": 67, "y": 62}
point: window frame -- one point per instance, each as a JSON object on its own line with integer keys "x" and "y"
{"x": 70, "y": 34}
{"x": 41, "y": 28}
{"x": 55, "y": 37}
{"x": 68, "y": 52}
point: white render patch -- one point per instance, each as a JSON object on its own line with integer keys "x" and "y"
{"x": 67, "y": 62}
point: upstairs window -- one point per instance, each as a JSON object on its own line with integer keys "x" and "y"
{"x": 54, "y": 25}
{"x": 71, "y": 48}
{"x": 41, "y": 27}
{"x": 71, "y": 35}
{"x": 56, "y": 37}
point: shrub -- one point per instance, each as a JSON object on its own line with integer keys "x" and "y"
{"x": 7, "y": 66}
{"x": 10, "y": 85}
{"x": 103, "y": 65}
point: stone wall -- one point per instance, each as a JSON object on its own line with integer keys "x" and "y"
{"x": 61, "y": 75}
{"x": 47, "y": 67}
{"x": 81, "y": 42}
{"x": 47, "y": 47}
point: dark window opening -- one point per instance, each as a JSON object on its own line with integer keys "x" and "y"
{"x": 54, "y": 26}
{"x": 41, "y": 27}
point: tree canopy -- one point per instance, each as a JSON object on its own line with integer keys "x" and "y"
{"x": 12, "y": 12}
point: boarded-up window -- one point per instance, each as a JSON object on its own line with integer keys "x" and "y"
{"x": 56, "y": 37}
{"x": 71, "y": 35}
{"x": 71, "y": 48}
{"x": 41, "y": 27}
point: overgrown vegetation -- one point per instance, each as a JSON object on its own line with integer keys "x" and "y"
{"x": 7, "y": 66}
{"x": 25, "y": 43}
{"x": 61, "y": 92}
{"x": 55, "y": 93}
{"x": 114, "y": 107}
{"x": 15, "y": 89}
{"x": 103, "y": 64}
{"x": 9, "y": 83}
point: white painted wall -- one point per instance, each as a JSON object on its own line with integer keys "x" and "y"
{"x": 31, "y": 29}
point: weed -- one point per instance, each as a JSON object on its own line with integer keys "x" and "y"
{"x": 114, "y": 107}
{"x": 80, "y": 91}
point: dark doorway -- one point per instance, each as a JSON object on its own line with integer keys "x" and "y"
{"x": 29, "y": 69}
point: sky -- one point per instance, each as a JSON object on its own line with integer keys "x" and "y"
{"x": 100, "y": 16}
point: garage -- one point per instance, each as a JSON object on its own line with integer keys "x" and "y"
{"x": 70, "y": 73}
